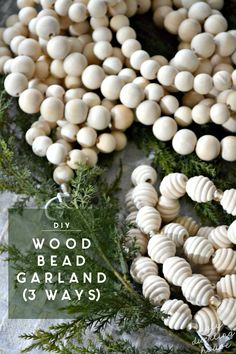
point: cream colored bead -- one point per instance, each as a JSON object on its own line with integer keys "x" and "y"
{"x": 176, "y": 233}
{"x": 30, "y": 101}
{"x": 169, "y": 104}
{"x": 228, "y": 201}
{"x": 189, "y": 223}
{"x": 166, "y": 75}
{"x": 176, "y": 270}
{"x": 138, "y": 58}
{"x": 144, "y": 194}
{"x": 111, "y": 87}
{"x": 227, "y": 313}
{"x": 69, "y": 132}
{"x": 40, "y": 145}
{"x": 29, "y": 47}
{"x": 118, "y": 22}
{"x": 141, "y": 268}
{"x": 148, "y": 112}
{"x": 130, "y": 46}
{"x": 141, "y": 82}
{"x": 103, "y": 50}
{"x": 173, "y": 186}
{"x": 131, "y": 218}
{"x": 97, "y": 8}
{"x": 66, "y": 145}
{"x": 87, "y": 137}
{"x": 52, "y": 109}
{"x": 24, "y": 65}
{"x": 154, "y": 92}
{"x": 216, "y": 4}
{"x": 208, "y": 322}
{"x": 208, "y": 148}
{"x": 99, "y": 117}
{"x": 168, "y": 208}
{"x": 121, "y": 117}
{"x": 106, "y": 143}
{"x": 164, "y": 128}
{"x": 63, "y": 174}
{"x": 76, "y": 111}
{"x": 160, "y": 14}
{"x": 91, "y": 99}
{"x": 148, "y": 220}
{"x": 186, "y": 59}
{"x": 55, "y": 91}
{"x": 75, "y": 159}
{"x": 219, "y": 113}
{"x": 136, "y": 238}
{"x": 173, "y": 20}
{"x": 62, "y": 7}
{"x": 27, "y": 14}
{"x": 15, "y": 84}
{"x": 199, "y": 11}
{"x": 142, "y": 174}
{"x": 149, "y": 69}
{"x": 188, "y": 29}
{"x": 75, "y": 64}
{"x": 33, "y": 133}
{"x": 179, "y": 314}
{"x": 222, "y": 80}
{"x": 156, "y": 290}
{"x": 91, "y": 156}
{"x": 56, "y": 153}
{"x": 205, "y": 231}
{"x": 129, "y": 201}
{"x": 184, "y": 142}
{"x": 93, "y": 76}
{"x": 42, "y": 125}
{"x": 201, "y": 114}
{"x": 197, "y": 290}
{"x": 131, "y": 95}
{"x": 226, "y": 286}
{"x": 209, "y": 271}
{"x": 198, "y": 249}
{"x": 125, "y": 33}
{"x": 224, "y": 261}
{"x": 47, "y": 27}
{"x": 203, "y": 84}
{"x": 232, "y": 232}
{"x": 121, "y": 140}
{"x": 23, "y": 3}
{"x": 191, "y": 98}
{"x": 225, "y": 44}
{"x": 102, "y": 34}
{"x": 183, "y": 116}
{"x": 219, "y": 237}
{"x": 200, "y": 189}
{"x": 58, "y": 47}
{"x": 112, "y": 65}
{"x": 203, "y": 45}
{"x": 184, "y": 81}
{"x": 78, "y": 12}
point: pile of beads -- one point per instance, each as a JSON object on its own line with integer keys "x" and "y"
{"x": 199, "y": 260}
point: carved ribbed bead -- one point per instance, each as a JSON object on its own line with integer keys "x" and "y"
{"x": 226, "y": 286}
{"x": 179, "y": 314}
{"x": 160, "y": 248}
{"x": 227, "y": 313}
{"x": 168, "y": 208}
{"x": 189, "y": 223}
{"x": 148, "y": 220}
{"x": 144, "y": 194}
{"x": 173, "y": 186}
{"x": 176, "y": 233}
{"x": 219, "y": 237}
{"x": 209, "y": 271}
{"x": 137, "y": 238}
{"x": 176, "y": 270}
{"x": 198, "y": 249}
{"x": 200, "y": 189}
{"x": 143, "y": 173}
{"x": 208, "y": 322}
{"x": 156, "y": 290}
{"x": 141, "y": 268}
{"x": 205, "y": 231}
{"x": 131, "y": 218}
{"x": 224, "y": 261}
{"x": 129, "y": 201}
{"x": 232, "y": 232}
{"x": 228, "y": 201}
{"x": 197, "y": 290}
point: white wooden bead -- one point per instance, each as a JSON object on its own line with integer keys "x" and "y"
{"x": 56, "y": 153}
{"x": 15, "y": 84}
{"x": 93, "y": 76}
{"x": 199, "y": 11}
{"x": 188, "y": 29}
{"x": 208, "y": 148}
{"x": 219, "y": 113}
{"x": 227, "y": 313}
{"x": 197, "y": 290}
{"x": 228, "y": 148}
{"x": 166, "y": 75}
{"x": 225, "y": 44}
{"x": 173, "y": 20}
{"x": 121, "y": 117}
{"x": 164, "y": 128}
{"x": 144, "y": 173}
{"x": 154, "y": 92}
{"x": 184, "y": 81}
{"x": 131, "y": 95}
{"x": 169, "y": 104}
{"x": 200, "y": 189}
{"x": 184, "y": 141}
{"x": 198, "y": 249}
{"x": 228, "y": 201}
{"x": 186, "y": 59}
{"x": 156, "y": 290}
{"x": 232, "y": 232}
{"x": 75, "y": 159}
{"x": 63, "y": 174}
{"x": 47, "y": 26}
{"x": 99, "y": 118}
{"x": 205, "y": 231}
{"x": 160, "y": 248}
{"x": 131, "y": 218}
{"x": 189, "y": 223}
{"x": 224, "y": 261}
{"x": 176, "y": 233}
{"x": 219, "y": 237}
{"x": 168, "y": 208}
{"x": 141, "y": 268}
{"x": 148, "y": 112}
{"x": 106, "y": 143}
{"x": 176, "y": 270}
{"x": 149, "y": 69}
{"x": 209, "y": 271}
{"x": 201, "y": 114}
{"x": 203, "y": 84}
{"x": 30, "y": 101}
{"x": 203, "y": 45}
{"x": 138, "y": 239}
{"x": 179, "y": 314}
{"x": 125, "y": 33}
{"x": 91, "y": 156}
{"x": 208, "y": 322}
{"x": 144, "y": 194}
{"x": 222, "y": 80}
{"x": 226, "y": 286}
{"x": 129, "y": 201}
{"x": 138, "y": 58}
{"x": 173, "y": 186}
{"x": 183, "y": 116}
{"x": 40, "y": 145}
{"x": 148, "y": 220}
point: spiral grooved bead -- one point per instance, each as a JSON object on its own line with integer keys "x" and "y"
{"x": 208, "y": 322}
{"x": 148, "y": 220}
{"x": 197, "y": 290}
{"x": 232, "y": 232}
{"x": 156, "y": 290}
{"x": 144, "y": 173}
{"x": 189, "y": 223}
{"x": 176, "y": 270}
{"x": 209, "y": 271}
{"x": 129, "y": 201}
{"x": 131, "y": 218}
{"x": 136, "y": 238}
{"x": 168, "y": 208}
{"x": 173, "y": 186}
{"x": 219, "y": 237}
{"x": 198, "y": 249}
{"x": 205, "y": 231}
{"x": 227, "y": 313}
{"x": 226, "y": 286}
{"x": 179, "y": 314}
{"x": 200, "y": 189}
{"x": 224, "y": 261}
{"x": 141, "y": 268}
{"x": 228, "y": 201}
{"x": 144, "y": 194}
{"x": 160, "y": 248}
{"x": 176, "y": 233}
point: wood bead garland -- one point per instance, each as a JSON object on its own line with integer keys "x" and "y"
{"x": 156, "y": 290}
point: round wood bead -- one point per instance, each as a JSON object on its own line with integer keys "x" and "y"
{"x": 186, "y": 59}
{"x": 131, "y": 95}
{"x": 226, "y": 286}
{"x": 197, "y": 290}
{"x": 228, "y": 201}
{"x": 141, "y": 268}
{"x": 228, "y": 148}
{"x": 156, "y": 290}
{"x": 131, "y": 218}
{"x": 176, "y": 270}
{"x": 208, "y": 322}
{"x": 189, "y": 223}
{"x": 232, "y": 232}
{"x": 129, "y": 201}
{"x": 205, "y": 231}
{"x": 200, "y": 189}
{"x": 224, "y": 261}
{"x": 164, "y": 128}
{"x": 148, "y": 112}
{"x": 209, "y": 271}
{"x": 208, "y": 148}
{"x": 173, "y": 186}
{"x": 227, "y": 313}
{"x": 176, "y": 233}
{"x": 144, "y": 173}
{"x": 135, "y": 238}
{"x": 219, "y": 237}
{"x": 184, "y": 141}
{"x": 179, "y": 314}
{"x": 198, "y": 249}
{"x": 161, "y": 248}
{"x": 144, "y": 194}
{"x": 168, "y": 208}
{"x": 148, "y": 220}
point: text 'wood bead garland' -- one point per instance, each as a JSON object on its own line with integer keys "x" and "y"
{"x": 200, "y": 261}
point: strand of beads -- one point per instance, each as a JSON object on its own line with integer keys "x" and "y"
{"x": 199, "y": 260}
